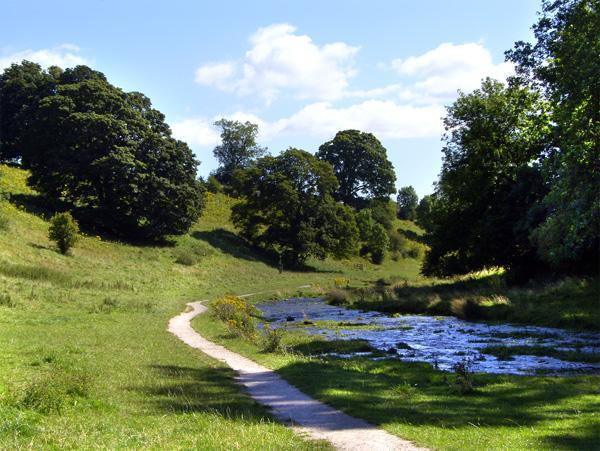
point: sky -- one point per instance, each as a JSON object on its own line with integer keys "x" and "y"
{"x": 301, "y": 70}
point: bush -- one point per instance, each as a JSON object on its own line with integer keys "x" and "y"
{"x": 271, "y": 339}
{"x": 63, "y": 231}
{"x": 185, "y": 257}
{"x": 337, "y": 297}
{"x": 237, "y": 314}
{"x": 213, "y": 185}
{"x": 464, "y": 376}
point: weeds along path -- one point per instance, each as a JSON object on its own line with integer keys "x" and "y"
{"x": 289, "y": 405}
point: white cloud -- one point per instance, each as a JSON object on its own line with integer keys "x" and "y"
{"x": 65, "y": 55}
{"x": 216, "y": 74}
{"x": 440, "y": 72}
{"x": 384, "y": 118}
{"x": 196, "y": 132}
{"x": 281, "y": 61}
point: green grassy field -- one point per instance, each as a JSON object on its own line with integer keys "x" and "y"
{"x": 427, "y": 406}
{"x": 87, "y": 362}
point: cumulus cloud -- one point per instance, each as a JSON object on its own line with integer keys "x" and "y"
{"x": 198, "y": 132}
{"x": 384, "y": 118}
{"x": 440, "y": 72}
{"x": 280, "y": 61}
{"x": 65, "y": 55}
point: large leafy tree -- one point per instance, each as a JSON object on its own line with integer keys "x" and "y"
{"x": 288, "y": 208}
{"x": 564, "y": 63}
{"x": 490, "y": 181}
{"x": 22, "y": 86}
{"x": 361, "y": 167}
{"x": 238, "y": 148}
{"x": 110, "y": 157}
{"x": 407, "y": 202}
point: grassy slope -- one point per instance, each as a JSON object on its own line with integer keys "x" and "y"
{"x": 105, "y": 309}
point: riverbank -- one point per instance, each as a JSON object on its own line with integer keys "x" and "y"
{"x": 572, "y": 303}
{"x": 427, "y": 406}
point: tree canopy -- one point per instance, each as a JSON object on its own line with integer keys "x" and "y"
{"x": 288, "y": 208}
{"x": 238, "y": 148}
{"x": 407, "y": 202}
{"x": 489, "y": 181}
{"x": 564, "y": 63}
{"x": 361, "y": 166}
{"x": 106, "y": 154}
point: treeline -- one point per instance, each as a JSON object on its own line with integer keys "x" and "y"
{"x": 299, "y": 205}
{"x": 519, "y": 185}
{"x": 108, "y": 157}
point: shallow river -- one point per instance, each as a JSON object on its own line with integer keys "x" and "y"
{"x": 440, "y": 341}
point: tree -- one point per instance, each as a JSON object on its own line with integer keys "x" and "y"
{"x": 423, "y": 212}
{"x": 373, "y": 236}
{"x": 490, "y": 183}
{"x": 564, "y": 64}
{"x": 361, "y": 166}
{"x": 288, "y": 207}
{"x": 407, "y": 202}
{"x": 22, "y": 86}
{"x": 109, "y": 157}
{"x": 63, "y": 230}
{"x": 238, "y": 148}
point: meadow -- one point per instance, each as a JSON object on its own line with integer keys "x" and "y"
{"x": 87, "y": 362}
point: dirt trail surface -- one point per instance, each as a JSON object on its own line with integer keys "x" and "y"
{"x": 288, "y": 404}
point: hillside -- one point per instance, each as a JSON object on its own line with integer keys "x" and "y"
{"x": 84, "y": 335}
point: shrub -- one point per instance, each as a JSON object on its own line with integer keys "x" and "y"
{"x": 237, "y": 314}
{"x": 341, "y": 282}
{"x": 337, "y": 297}
{"x": 271, "y": 339}
{"x": 185, "y": 257}
{"x": 464, "y": 376}
{"x": 63, "y": 230}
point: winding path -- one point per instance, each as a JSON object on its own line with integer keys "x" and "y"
{"x": 289, "y": 405}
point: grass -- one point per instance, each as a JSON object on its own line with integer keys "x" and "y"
{"x": 105, "y": 309}
{"x": 91, "y": 329}
{"x": 507, "y": 353}
{"x": 568, "y": 303}
{"x": 428, "y": 406}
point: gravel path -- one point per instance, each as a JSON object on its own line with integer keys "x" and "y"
{"x": 288, "y": 404}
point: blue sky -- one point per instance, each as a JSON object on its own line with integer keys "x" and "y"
{"x": 302, "y": 70}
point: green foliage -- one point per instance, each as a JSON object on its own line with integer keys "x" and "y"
{"x": 288, "y": 208}
{"x": 361, "y": 166}
{"x": 490, "y": 184}
{"x": 377, "y": 243}
{"x": 213, "y": 185}
{"x": 383, "y": 212}
{"x": 563, "y": 63}
{"x": 271, "y": 339}
{"x": 237, "y": 314}
{"x": 407, "y": 202}
{"x": 105, "y": 154}
{"x": 63, "y": 231}
{"x": 22, "y": 86}
{"x": 238, "y": 148}
{"x": 424, "y": 212}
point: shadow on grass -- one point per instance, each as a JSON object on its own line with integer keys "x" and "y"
{"x": 389, "y": 391}
{"x": 231, "y": 244}
{"x": 183, "y": 389}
